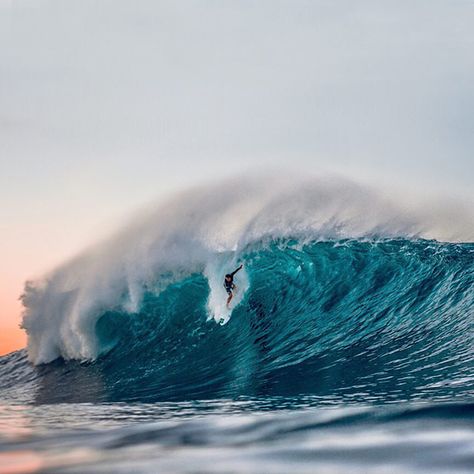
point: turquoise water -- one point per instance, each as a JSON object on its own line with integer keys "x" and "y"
{"x": 339, "y": 355}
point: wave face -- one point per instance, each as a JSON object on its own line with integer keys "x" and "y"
{"x": 341, "y": 296}
{"x": 345, "y": 320}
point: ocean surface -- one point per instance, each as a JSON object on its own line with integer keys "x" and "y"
{"x": 348, "y": 348}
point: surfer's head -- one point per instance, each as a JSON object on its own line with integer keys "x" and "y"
{"x": 228, "y": 277}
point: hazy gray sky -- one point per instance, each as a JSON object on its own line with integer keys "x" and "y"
{"x": 106, "y": 104}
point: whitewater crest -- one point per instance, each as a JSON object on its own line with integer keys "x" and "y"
{"x": 206, "y": 231}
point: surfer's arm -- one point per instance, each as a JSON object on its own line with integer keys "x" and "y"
{"x": 235, "y": 271}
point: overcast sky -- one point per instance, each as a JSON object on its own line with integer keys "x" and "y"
{"x": 105, "y": 105}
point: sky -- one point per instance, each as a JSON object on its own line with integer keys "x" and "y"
{"x": 108, "y": 105}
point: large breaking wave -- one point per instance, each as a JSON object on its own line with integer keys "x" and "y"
{"x": 342, "y": 295}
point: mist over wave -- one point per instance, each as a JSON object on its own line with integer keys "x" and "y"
{"x": 205, "y": 231}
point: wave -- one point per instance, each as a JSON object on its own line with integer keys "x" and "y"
{"x": 340, "y": 289}
{"x": 204, "y": 230}
{"x": 346, "y": 320}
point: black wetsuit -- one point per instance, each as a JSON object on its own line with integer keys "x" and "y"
{"x": 229, "y": 284}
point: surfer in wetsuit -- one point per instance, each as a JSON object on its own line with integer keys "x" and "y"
{"x": 229, "y": 284}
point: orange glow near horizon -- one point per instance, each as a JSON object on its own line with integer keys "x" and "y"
{"x": 12, "y": 337}
{"x": 11, "y": 340}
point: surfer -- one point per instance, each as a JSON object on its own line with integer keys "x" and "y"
{"x": 229, "y": 284}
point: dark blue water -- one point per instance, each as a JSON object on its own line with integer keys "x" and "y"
{"x": 340, "y": 356}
